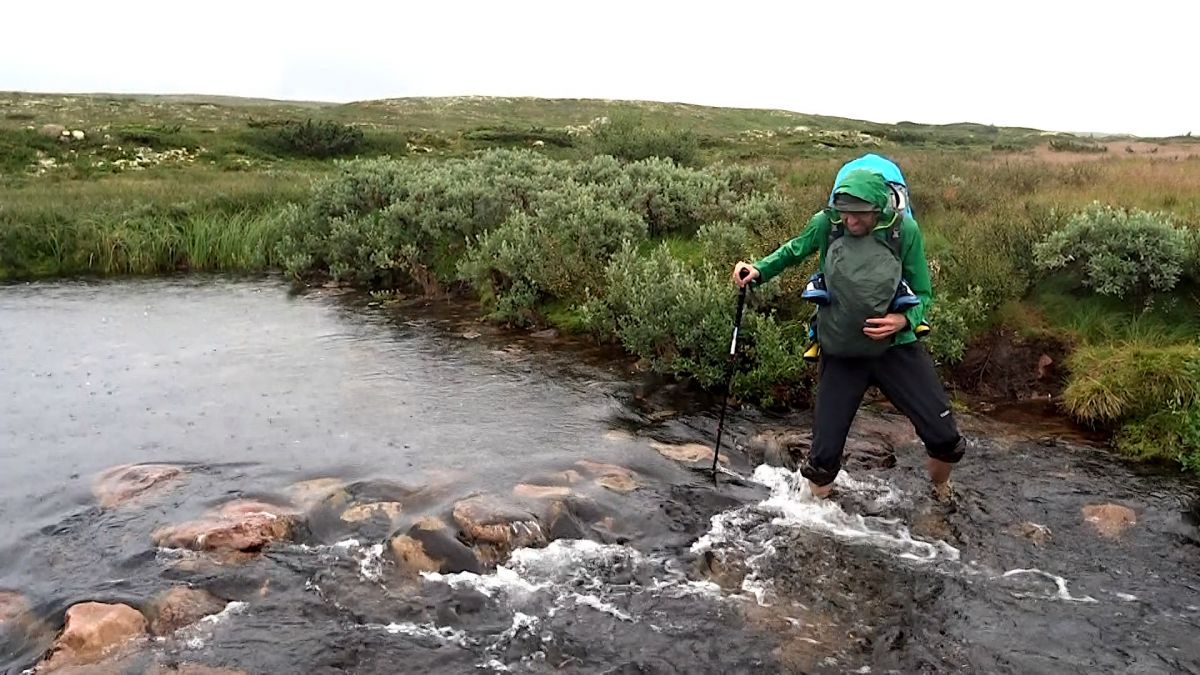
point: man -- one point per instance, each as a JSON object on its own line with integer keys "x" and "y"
{"x": 865, "y": 249}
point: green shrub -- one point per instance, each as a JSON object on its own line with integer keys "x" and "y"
{"x": 1076, "y": 145}
{"x": 156, "y": 136}
{"x": 954, "y": 319}
{"x": 521, "y": 135}
{"x": 680, "y": 318}
{"x": 629, "y": 136}
{"x": 724, "y": 242}
{"x": 318, "y": 139}
{"x": 1172, "y": 433}
{"x": 1117, "y": 252}
{"x": 555, "y": 251}
{"x": 762, "y": 212}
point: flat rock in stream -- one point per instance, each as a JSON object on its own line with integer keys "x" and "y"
{"x": 611, "y": 476}
{"x": 363, "y": 512}
{"x": 310, "y": 494}
{"x": 181, "y": 606}
{"x": 489, "y": 520}
{"x": 687, "y": 452}
{"x": 1110, "y": 520}
{"x": 526, "y": 491}
{"x": 242, "y": 525}
{"x": 93, "y": 631}
{"x": 126, "y": 482}
{"x": 1038, "y": 534}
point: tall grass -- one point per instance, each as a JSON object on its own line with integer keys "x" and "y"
{"x": 143, "y": 224}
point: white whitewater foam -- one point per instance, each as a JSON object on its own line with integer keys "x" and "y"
{"x": 426, "y": 630}
{"x": 793, "y": 504}
{"x": 1060, "y": 583}
{"x": 601, "y": 606}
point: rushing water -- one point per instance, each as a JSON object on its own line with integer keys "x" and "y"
{"x": 251, "y": 390}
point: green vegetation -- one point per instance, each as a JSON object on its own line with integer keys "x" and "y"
{"x": 621, "y": 220}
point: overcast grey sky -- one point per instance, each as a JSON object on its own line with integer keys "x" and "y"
{"x": 1125, "y": 67}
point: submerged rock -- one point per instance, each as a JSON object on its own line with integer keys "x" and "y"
{"x": 611, "y": 476}
{"x": 361, "y": 512}
{"x": 242, "y": 525}
{"x": 93, "y": 630}
{"x": 430, "y": 546}
{"x": 687, "y": 452}
{"x": 13, "y": 606}
{"x": 310, "y": 494}
{"x": 121, "y": 484}
{"x": 1038, "y": 534}
{"x": 527, "y": 491}
{"x": 1110, "y": 520}
{"x": 486, "y": 519}
{"x": 181, "y": 606}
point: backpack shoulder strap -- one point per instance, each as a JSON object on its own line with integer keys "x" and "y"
{"x": 836, "y": 228}
{"x": 894, "y": 239}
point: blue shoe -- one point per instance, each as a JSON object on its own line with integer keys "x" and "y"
{"x": 904, "y": 298}
{"x": 815, "y": 291}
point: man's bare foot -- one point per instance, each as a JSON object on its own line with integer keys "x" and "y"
{"x": 939, "y": 471}
{"x": 943, "y": 492}
{"x": 820, "y": 491}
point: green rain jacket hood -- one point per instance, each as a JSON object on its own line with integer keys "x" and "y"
{"x": 867, "y": 185}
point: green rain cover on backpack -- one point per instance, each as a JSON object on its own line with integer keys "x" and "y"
{"x": 861, "y": 273}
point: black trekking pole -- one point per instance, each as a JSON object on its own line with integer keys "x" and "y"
{"x": 737, "y": 323}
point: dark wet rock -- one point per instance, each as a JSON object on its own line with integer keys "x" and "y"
{"x": 1110, "y": 520}
{"x": 181, "y": 606}
{"x": 430, "y": 546}
{"x": 574, "y": 517}
{"x": 242, "y": 525}
{"x": 412, "y": 493}
{"x": 893, "y": 430}
{"x": 364, "y": 512}
{"x": 124, "y": 483}
{"x": 869, "y": 445}
{"x": 786, "y": 448}
{"x": 191, "y": 669}
{"x": 487, "y": 519}
{"x": 1038, "y": 534}
{"x": 720, "y": 570}
{"x": 93, "y": 631}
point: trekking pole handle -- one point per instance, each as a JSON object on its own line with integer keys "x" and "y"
{"x": 737, "y": 320}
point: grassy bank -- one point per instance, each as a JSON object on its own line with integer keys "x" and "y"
{"x": 570, "y": 218}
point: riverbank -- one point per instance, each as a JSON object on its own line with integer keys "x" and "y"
{"x": 642, "y": 247}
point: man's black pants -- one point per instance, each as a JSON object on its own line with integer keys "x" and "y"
{"x": 905, "y": 374}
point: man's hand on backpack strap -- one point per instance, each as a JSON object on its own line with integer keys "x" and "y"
{"x": 879, "y": 329}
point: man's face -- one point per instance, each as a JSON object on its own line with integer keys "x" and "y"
{"x": 859, "y": 224}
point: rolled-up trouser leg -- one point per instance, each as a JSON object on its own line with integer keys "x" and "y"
{"x": 840, "y": 387}
{"x": 905, "y": 374}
